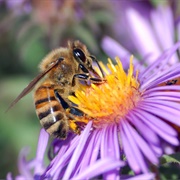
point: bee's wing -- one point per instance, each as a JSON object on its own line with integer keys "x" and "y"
{"x": 31, "y": 85}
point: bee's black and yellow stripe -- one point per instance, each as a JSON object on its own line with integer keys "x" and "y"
{"x": 50, "y": 112}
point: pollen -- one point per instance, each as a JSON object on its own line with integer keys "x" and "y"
{"x": 109, "y": 102}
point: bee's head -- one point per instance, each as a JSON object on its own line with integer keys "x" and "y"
{"x": 80, "y": 53}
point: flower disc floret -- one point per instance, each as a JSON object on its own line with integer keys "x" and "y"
{"x": 108, "y": 102}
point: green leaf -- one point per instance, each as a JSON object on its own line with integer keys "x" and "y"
{"x": 169, "y": 172}
{"x": 158, "y": 2}
{"x": 173, "y": 158}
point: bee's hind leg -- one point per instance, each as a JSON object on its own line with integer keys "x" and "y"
{"x": 74, "y": 113}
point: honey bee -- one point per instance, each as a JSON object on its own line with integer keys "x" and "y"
{"x": 62, "y": 70}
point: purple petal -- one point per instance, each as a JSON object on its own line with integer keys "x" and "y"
{"x": 151, "y": 71}
{"x": 161, "y": 88}
{"x": 133, "y": 162}
{"x": 23, "y": 166}
{"x": 9, "y": 176}
{"x": 109, "y": 150}
{"x": 172, "y": 73}
{"x": 57, "y": 144}
{"x": 146, "y": 132}
{"x": 146, "y": 176}
{"x": 166, "y": 96}
{"x": 103, "y": 143}
{"x": 77, "y": 151}
{"x": 42, "y": 144}
{"x": 87, "y": 154}
{"x": 61, "y": 160}
{"x": 133, "y": 147}
{"x": 143, "y": 146}
{"x": 157, "y": 149}
{"x": 142, "y": 35}
{"x": 113, "y": 49}
{"x": 96, "y": 148}
{"x": 168, "y": 149}
{"x": 91, "y": 151}
{"x": 116, "y": 142}
{"x": 156, "y": 127}
{"x": 109, "y": 141}
{"x": 20, "y": 177}
{"x": 161, "y": 124}
{"x": 98, "y": 168}
{"x": 162, "y": 17}
{"x": 169, "y": 111}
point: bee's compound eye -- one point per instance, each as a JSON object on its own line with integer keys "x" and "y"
{"x": 79, "y": 55}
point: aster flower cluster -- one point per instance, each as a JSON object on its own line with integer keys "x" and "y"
{"x": 151, "y": 30}
{"x": 131, "y": 120}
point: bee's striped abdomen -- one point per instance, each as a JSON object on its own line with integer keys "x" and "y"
{"x": 50, "y": 112}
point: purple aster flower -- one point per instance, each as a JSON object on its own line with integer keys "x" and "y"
{"x": 133, "y": 113}
{"x": 148, "y": 30}
{"x": 19, "y": 6}
{"x": 130, "y": 115}
{"x": 64, "y": 164}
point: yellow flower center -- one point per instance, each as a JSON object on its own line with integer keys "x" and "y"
{"x": 110, "y": 101}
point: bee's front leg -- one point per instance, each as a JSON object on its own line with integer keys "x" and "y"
{"x": 86, "y": 78}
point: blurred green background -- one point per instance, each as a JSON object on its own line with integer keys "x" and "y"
{"x": 29, "y": 29}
